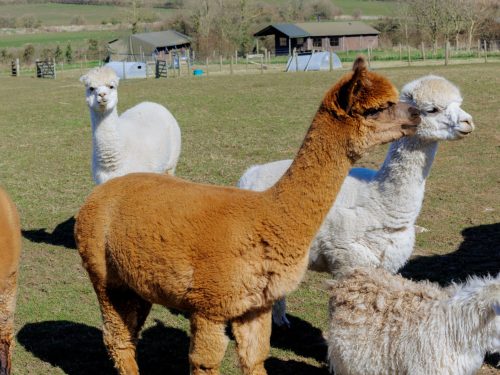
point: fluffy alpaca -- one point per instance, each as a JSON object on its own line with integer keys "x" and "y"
{"x": 384, "y": 324}
{"x": 10, "y": 249}
{"x": 224, "y": 254}
{"x": 372, "y": 222}
{"x": 145, "y": 138}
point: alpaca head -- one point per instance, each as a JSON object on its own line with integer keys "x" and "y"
{"x": 101, "y": 89}
{"x": 368, "y": 106}
{"x": 439, "y": 103}
{"x": 479, "y": 298}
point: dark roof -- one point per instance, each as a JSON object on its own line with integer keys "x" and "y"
{"x": 148, "y": 43}
{"x": 312, "y": 29}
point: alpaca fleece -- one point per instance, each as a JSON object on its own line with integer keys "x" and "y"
{"x": 372, "y": 222}
{"x": 384, "y": 324}
{"x": 221, "y": 253}
{"x": 10, "y": 250}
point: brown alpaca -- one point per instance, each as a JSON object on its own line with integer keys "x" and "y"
{"x": 223, "y": 254}
{"x": 10, "y": 249}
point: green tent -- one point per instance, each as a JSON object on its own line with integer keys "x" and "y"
{"x": 135, "y": 46}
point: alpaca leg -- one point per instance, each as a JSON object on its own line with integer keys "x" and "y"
{"x": 279, "y": 313}
{"x": 124, "y": 314}
{"x": 253, "y": 333}
{"x": 7, "y": 308}
{"x": 208, "y": 345}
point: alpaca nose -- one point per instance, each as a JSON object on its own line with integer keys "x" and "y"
{"x": 414, "y": 112}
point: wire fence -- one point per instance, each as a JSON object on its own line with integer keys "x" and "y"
{"x": 181, "y": 64}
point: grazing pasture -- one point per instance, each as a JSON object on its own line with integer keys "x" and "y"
{"x": 228, "y": 123}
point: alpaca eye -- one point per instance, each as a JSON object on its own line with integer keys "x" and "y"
{"x": 433, "y": 110}
{"x": 373, "y": 111}
{"x": 91, "y": 89}
{"x": 111, "y": 87}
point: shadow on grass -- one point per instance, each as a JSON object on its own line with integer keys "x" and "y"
{"x": 78, "y": 349}
{"x": 301, "y": 338}
{"x": 277, "y": 366}
{"x": 61, "y": 236}
{"x": 478, "y": 254}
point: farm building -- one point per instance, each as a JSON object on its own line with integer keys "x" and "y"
{"x": 148, "y": 45}
{"x": 320, "y": 36}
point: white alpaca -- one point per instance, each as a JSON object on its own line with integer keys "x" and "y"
{"x": 372, "y": 220}
{"x": 145, "y": 138}
{"x": 384, "y": 324}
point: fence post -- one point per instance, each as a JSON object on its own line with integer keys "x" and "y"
{"x": 206, "y": 64}
{"x": 54, "y": 63}
{"x": 123, "y": 71}
{"x": 409, "y": 54}
{"x": 231, "y": 65}
{"x": 236, "y": 57}
{"x": 369, "y": 56}
{"x": 478, "y": 48}
{"x": 331, "y": 60}
{"x": 261, "y": 64}
{"x": 296, "y": 58}
{"x": 400, "y": 52}
{"x": 423, "y": 50}
{"x": 446, "y": 52}
{"x": 246, "y": 67}
{"x": 220, "y": 61}
{"x": 485, "y": 51}
{"x": 188, "y": 60}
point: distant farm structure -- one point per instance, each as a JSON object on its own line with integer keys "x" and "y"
{"x": 320, "y": 36}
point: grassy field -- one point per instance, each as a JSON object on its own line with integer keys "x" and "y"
{"x": 61, "y": 38}
{"x": 52, "y": 14}
{"x": 228, "y": 123}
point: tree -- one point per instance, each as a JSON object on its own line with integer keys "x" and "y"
{"x": 28, "y": 54}
{"x": 58, "y": 54}
{"x": 69, "y": 54}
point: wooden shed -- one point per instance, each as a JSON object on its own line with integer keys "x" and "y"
{"x": 321, "y": 36}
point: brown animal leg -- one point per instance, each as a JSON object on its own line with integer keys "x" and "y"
{"x": 253, "y": 333}
{"x": 5, "y": 355}
{"x": 7, "y": 308}
{"x": 123, "y": 313}
{"x": 208, "y": 345}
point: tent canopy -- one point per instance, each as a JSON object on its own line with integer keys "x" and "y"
{"x": 312, "y": 62}
{"x": 147, "y": 44}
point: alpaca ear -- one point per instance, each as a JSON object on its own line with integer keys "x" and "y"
{"x": 84, "y": 79}
{"x": 496, "y": 308}
{"x": 348, "y": 94}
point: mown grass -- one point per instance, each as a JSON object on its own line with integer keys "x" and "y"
{"x": 61, "y": 38}
{"x": 228, "y": 123}
{"x": 53, "y": 14}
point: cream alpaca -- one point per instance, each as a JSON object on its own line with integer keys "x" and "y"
{"x": 384, "y": 324}
{"x": 145, "y": 138}
{"x": 225, "y": 254}
{"x": 10, "y": 249}
{"x": 372, "y": 222}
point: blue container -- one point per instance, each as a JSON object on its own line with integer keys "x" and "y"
{"x": 197, "y": 72}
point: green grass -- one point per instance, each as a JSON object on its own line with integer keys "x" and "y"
{"x": 52, "y": 14}
{"x": 62, "y": 38}
{"x": 228, "y": 123}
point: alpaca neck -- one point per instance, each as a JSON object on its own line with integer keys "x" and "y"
{"x": 308, "y": 188}
{"x": 401, "y": 179}
{"x": 408, "y": 162}
{"x": 106, "y": 139}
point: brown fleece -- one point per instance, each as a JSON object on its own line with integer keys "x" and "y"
{"x": 10, "y": 249}
{"x": 221, "y": 253}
